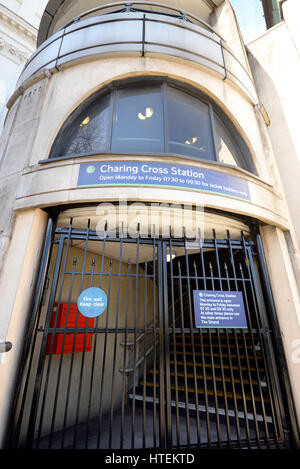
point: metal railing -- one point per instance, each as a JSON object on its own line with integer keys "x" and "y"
{"x": 99, "y": 31}
{"x": 80, "y": 400}
{"x": 136, "y": 6}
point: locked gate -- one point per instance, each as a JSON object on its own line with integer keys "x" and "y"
{"x": 143, "y": 374}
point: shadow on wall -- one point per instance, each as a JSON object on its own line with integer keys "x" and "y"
{"x": 281, "y": 139}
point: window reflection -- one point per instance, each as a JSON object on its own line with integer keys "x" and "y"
{"x": 188, "y": 125}
{"x": 157, "y": 118}
{"x": 88, "y": 133}
{"x": 229, "y": 147}
{"x": 138, "y": 120}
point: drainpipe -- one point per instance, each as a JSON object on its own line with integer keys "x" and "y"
{"x": 271, "y": 12}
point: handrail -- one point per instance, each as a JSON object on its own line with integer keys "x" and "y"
{"x": 128, "y": 5}
{"x": 140, "y": 360}
{"x": 139, "y": 337}
{"x": 146, "y": 352}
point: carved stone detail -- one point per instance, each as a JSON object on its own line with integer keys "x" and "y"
{"x": 12, "y": 52}
{"x": 28, "y": 32}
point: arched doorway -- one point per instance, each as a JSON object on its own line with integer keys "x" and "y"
{"x": 159, "y": 367}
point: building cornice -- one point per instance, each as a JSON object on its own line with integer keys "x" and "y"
{"x": 18, "y": 25}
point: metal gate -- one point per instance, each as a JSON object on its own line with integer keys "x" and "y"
{"x": 141, "y": 375}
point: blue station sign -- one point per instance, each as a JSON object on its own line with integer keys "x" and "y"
{"x": 136, "y": 173}
{"x": 219, "y": 309}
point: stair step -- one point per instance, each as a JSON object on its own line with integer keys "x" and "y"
{"x": 211, "y": 378}
{"x": 210, "y": 392}
{"x": 206, "y": 344}
{"x": 202, "y": 408}
{"x": 196, "y": 334}
{"x": 216, "y": 365}
{"x": 224, "y": 355}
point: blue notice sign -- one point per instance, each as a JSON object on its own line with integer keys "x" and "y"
{"x": 219, "y": 309}
{"x": 136, "y": 173}
{"x": 92, "y": 302}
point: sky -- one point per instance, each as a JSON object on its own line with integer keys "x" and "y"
{"x": 250, "y": 17}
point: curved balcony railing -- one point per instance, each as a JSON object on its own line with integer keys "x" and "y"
{"x": 130, "y": 29}
{"x": 145, "y": 7}
{"x": 127, "y": 7}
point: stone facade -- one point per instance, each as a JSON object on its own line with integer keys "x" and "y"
{"x": 50, "y": 89}
{"x": 19, "y": 21}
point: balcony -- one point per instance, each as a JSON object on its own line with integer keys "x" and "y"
{"x": 130, "y": 28}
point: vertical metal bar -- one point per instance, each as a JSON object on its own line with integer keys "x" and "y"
{"x": 236, "y": 343}
{"x": 162, "y": 423}
{"x": 155, "y": 281}
{"x": 223, "y": 58}
{"x": 166, "y": 349}
{"x": 256, "y": 366}
{"x": 242, "y": 389}
{"x": 236, "y": 412}
{"x": 143, "y": 34}
{"x": 219, "y": 344}
{"x": 202, "y": 349}
{"x": 213, "y": 367}
{"x": 75, "y": 335}
{"x": 95, "y": 342}
{"x": 262, "y": 326}
{"x": 29, "y": 342}
{"x": 92, "y": 368}
{"x": 42, "y": 355}
{"x": 276, "y": 402}
{"x": 135, "y": 339}
{"x": 192, "y": 339}
{"x": 53, "y": 335}
{"x": 144, "y": 355}
{"x": 61, "y": 357}
{"x": 104, "y": 356}
{"x": 174, "y": 345}
{"x": 187, "y": 413}
{"x": 115, "y": 346}
{"x": 44, "y": 400}
{"x": 125, "y": 359}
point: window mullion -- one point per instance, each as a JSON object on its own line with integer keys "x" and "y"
{"x": 165, "y": 118}
{"x": 213, "y": 132}
{"x": 111, "y": 121}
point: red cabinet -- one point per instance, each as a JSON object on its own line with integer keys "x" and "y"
{"x": 69, "y": 337}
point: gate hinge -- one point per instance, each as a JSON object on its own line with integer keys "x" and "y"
{"x": 40, "y": 329}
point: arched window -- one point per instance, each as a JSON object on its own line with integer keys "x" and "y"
{"x": 156, "y": 118}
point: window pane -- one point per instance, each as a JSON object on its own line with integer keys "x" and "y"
{"x": 189, "y": 126}
{"x": 224, "y": 144}
{"x": 138, "y": 120}
{"x": 136, "y": 124}
{"x": 88, "y": 133}
{"x": 228, "y": 148}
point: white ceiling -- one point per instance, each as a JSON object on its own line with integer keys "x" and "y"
{"x": 145, "y": 215}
